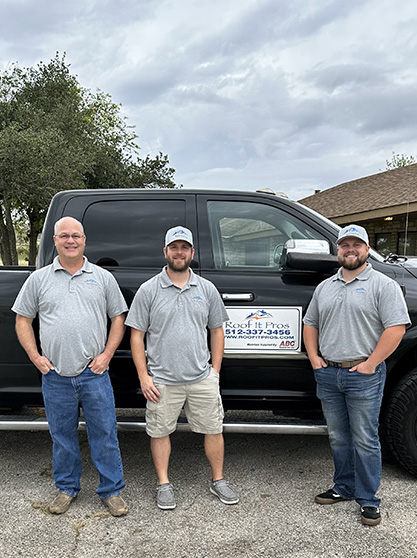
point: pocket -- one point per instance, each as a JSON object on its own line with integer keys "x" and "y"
{"x": 374, "y": 373}
{"x": 88, "y": 371}
{"x": 319, "y": 371}
{"x": 380, "y": 368}
{"x": 151, "y": 405}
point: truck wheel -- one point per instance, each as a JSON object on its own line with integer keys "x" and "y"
{"x": 401, "y": 422}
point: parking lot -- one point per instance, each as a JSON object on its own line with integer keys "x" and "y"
{"x": 276, "y": 477}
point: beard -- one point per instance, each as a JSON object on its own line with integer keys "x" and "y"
{"x": 352, "y": 264}
{"x": 178, "y": 265}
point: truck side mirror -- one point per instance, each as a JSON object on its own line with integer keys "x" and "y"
{"x": 308, "y": 255}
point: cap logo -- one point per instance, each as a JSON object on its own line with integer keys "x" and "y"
{"x": 180, "y": 233}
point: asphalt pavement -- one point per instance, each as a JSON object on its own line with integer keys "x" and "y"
{"x": 276, "y": 477}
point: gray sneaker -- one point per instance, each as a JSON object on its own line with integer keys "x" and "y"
{"x": 165, "y": 498}
{"x": 222, "y": 490}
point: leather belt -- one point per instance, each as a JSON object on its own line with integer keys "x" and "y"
{"x": 345, "y": 363}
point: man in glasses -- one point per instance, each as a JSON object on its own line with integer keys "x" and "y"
{"x": 72, "y": 299}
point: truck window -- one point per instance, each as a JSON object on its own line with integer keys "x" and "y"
{"x": 252, "y": 235}
{"x": 130, "y": 233}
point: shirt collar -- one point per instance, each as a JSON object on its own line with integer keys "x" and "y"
{"x": 86, "y": 267}
{"x": 363, "y": 275}
{"x": 166, "y": 281}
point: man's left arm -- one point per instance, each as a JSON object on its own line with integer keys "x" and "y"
{"x": 217, "y": 347}
{"x": 101, "y": 362}
{"x": 388, "y": 342}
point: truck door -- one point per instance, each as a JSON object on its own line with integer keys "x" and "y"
{"x": 241, "y": 244}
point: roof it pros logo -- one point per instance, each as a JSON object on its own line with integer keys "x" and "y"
{"x": 180, "y": 234}
{"x": 258, "y": 315}
{"x": 360, "y": 290}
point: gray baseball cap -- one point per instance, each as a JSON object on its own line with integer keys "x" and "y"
{"x": 355, "y": 231}
{"x": 178, "y": 233}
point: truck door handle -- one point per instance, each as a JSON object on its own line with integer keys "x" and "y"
{"x": 246, "y": 297}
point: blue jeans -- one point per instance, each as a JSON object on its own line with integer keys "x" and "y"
{"x": 63, "y": 396}
{"x": 351, "y": 403}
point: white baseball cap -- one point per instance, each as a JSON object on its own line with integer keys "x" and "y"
{"x": 178, "y": 233}
{"x": 355, "y": 231}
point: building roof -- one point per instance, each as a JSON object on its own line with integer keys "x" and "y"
{"x": 378, "y": 195}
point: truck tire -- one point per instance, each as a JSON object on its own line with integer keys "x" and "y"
{"x": 401, "y": 422}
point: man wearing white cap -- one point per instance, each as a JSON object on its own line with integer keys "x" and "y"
{"x": 173, "y": 310}
{"x": 355, "y": 320}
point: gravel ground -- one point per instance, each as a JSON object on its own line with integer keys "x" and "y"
{"x": 275, "y": 476}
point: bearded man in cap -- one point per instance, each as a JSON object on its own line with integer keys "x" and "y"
{"x": 355, "y": 320}
{"x": 174, "y": 310}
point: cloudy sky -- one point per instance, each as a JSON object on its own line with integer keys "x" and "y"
{"x": 294, "y": 95}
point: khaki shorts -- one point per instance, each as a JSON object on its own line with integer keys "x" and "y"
{"x": 202, "y": 404}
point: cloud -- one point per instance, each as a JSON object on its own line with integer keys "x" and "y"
{"x": 246, "y": 93}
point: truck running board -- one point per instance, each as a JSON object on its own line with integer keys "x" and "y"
{"x": 34, "y": 423}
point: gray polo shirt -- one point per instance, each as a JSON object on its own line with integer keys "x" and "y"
{"x": 176, "y": 321}
{"x": 72, "y": 311}
{"x": 351, "y": 316}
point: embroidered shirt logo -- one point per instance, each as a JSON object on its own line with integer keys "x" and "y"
{"x": 197, "y": 299}
{"x": 91, "y": 282}
{"x": 360, "y": 290}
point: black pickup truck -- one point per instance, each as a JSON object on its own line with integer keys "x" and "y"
{"x": 265, "y": 254}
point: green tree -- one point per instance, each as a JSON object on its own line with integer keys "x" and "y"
{"x": 56, "y": 135}
{"x": 398, "y": 160}
{"x": 151, "y": 173}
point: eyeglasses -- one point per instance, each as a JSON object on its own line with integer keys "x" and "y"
{"x": 65, "y": 236}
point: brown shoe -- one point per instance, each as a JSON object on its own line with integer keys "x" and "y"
{"x": 117, "y": 506}
{"x": 61, "y": 503}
